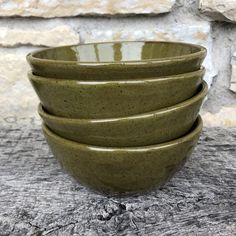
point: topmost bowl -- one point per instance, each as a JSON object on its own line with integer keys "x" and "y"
{"x": 117, "y": 60}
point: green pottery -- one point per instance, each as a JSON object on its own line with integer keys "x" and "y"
{"x": 123, "y": 170}
{"x": 143, "y": 129}
{"x": 117, "y": 60}
{"x": 110, "y": 99}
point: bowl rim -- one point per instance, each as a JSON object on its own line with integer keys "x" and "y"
{"x": 34, "y": 77}
{"x": 198, "y": 96}
{"x": 197, "y": 127}
{"x": 31, "y": 57}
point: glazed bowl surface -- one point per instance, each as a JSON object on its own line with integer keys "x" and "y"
{"x": 139, "y": 130}
{"x": 111, "y": 99}
{"x": 117, "y": 60}
{"x": 123, "y": 170}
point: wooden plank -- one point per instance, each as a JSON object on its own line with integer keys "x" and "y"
{"x": 37, "y": 198}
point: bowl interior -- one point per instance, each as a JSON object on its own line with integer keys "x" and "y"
{"x": 116, "y": 52}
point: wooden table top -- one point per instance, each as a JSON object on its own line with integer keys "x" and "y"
{"x": 38, "y": 198}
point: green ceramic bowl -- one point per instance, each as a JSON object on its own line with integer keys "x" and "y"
{"x": 110, "y": 99}
{"x": 139, "y": 130}
{"x": 123, "y": 170}
{"x": 117, "y": 60}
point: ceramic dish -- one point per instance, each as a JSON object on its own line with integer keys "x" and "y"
{"x": 110, "y": 99}
{"x": 117, "y": 60}
{"x": 139, "y": 130}
{"x": 123, "y": 170}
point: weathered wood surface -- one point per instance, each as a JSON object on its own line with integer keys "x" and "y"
{"x": 37, "y": 198}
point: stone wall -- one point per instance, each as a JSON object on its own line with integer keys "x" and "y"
{"x": 26, "y": 25}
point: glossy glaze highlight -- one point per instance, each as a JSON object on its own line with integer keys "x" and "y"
{"x": 117, "y": 60}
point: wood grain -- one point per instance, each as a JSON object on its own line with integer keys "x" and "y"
{"x": 37, "y": 198}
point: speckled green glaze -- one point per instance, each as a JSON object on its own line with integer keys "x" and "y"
{"x": 123, "y": 170}
{"x": 139, "y": 130}
{"x": 117, "y": 60}
{"x": 110, "y": 99}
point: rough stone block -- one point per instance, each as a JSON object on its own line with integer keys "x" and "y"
{"x": 58, "y": 36}
{"x": 225, "y": 117}
{"x": 60, "y": 8}
{"x": 219, "y": 10}
{"x": 17, "y": 95}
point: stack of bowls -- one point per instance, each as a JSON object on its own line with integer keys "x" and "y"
{"x": 120, "y": 117}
